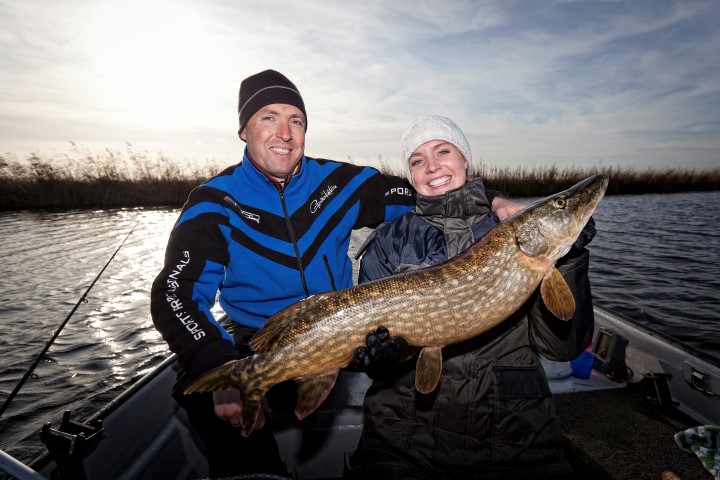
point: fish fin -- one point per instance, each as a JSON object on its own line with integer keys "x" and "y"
{"x": 429, "y": 367}
{"x": 229, "y": 376}
{"x": 251, "y": 404}
{"x": 557, "y": 295}
{"x": 312, "y": 392}
{"x": 276, "y": 326}
{"x": 219, "y": 378}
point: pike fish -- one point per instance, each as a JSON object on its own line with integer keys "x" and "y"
{"x": 311, "y": 340}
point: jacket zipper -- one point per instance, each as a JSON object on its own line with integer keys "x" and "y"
{"x": 329, "y": 272}
{"x": 293, "y": 238}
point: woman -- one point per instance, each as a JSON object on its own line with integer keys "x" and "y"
{"x": 491, "y": 415}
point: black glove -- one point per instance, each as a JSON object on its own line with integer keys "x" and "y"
{"x": 586, "y": 236}
{"x": 381, "y": 350}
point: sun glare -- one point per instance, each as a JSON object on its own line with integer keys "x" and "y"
{"x": 149, "y": 55}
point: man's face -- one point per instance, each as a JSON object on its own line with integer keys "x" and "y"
{"x": 275, "y": 137}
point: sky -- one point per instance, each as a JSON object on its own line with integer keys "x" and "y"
{"x": 531, "y": 83}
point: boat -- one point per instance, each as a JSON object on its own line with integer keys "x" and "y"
{"x": 619, "y": 423}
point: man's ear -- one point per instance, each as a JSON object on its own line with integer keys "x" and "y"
{"x": 240, "y": 134}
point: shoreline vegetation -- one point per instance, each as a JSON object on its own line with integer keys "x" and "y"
{"x": 130, "y": 179}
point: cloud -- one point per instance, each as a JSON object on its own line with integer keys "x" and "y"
{"x": 545, "y": 82}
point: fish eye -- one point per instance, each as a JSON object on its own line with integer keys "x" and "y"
{"x": 560, "y": 202}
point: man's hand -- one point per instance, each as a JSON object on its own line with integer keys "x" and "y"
{"x": 228, "y": 407}
{"x": 504, "y": 207}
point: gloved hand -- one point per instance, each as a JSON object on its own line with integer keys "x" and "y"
{"x": 381, "y": 350}
{"x": 586, "y": 236}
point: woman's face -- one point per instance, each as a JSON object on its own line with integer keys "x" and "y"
{"x": 436, "y": 167}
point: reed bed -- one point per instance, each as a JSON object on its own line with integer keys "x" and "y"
{"x": 542, "y": 181}
{"x": 124, "y": 179}
{"x": 107, "y": 179}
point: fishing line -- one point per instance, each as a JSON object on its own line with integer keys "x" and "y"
{"x": 29, "y": 373}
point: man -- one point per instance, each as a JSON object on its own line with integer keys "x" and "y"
{"x": 265, "y": 233}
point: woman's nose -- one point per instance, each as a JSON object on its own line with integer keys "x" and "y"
{"x": 431, "y": 165}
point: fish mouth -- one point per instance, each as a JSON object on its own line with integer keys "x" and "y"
{"x": 596, "y": 187}
{"x": 597, "y": 183}
{"x": 585, "y": 214}
{"x": 590, "y": 191}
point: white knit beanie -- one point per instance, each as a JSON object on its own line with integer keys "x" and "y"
{"x": 434, "y": 127}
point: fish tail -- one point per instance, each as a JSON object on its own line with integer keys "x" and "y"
{"x": 252, "y": 390}
{"x": 251, "y": 404}
{"x": 240, "y": 375}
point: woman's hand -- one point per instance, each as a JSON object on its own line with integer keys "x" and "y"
{"x": 504, "y": 207}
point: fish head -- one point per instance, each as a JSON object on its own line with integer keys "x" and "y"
{"x": 548, "y": 228}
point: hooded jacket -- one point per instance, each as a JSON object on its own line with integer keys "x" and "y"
{"x": 262, "y": 246}
{"x": 492, "y": 408}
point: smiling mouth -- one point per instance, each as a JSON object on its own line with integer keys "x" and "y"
{"x": 438, "y": 182}
{"x": 280, "y": 151}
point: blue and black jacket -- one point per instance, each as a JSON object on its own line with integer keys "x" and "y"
{"x": 263, "y": 247}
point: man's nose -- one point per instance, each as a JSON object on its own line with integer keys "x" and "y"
{"x": 284, "y": 131}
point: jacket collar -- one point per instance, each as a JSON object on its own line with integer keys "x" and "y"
{"x": 463, "y": 202}
{"x": 455, "y": 212}
{"x": 258, "y": 174}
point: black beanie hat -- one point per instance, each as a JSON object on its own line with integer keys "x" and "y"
{"x": 266, "y": 88}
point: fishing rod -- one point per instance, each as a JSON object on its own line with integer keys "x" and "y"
{"x": 29, "y": 372}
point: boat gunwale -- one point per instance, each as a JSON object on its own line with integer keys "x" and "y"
{"x": 680, "y": 344}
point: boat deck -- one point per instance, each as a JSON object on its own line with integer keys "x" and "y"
{"x": 620, "y": 434}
